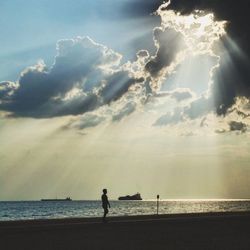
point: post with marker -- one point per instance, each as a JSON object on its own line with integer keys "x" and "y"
{"x": 158, "y": 197}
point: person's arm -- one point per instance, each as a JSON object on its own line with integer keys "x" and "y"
{"x": 108, "y": 203}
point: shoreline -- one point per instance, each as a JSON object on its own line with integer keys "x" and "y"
{"x": 229, "y": 230}
{"x": 121, "y": 218}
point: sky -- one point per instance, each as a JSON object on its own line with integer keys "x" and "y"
{"x": 132, "y": 96}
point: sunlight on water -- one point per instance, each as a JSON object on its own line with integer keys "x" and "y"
{"x": 48, "y": 210}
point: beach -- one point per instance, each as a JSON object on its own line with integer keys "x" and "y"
{"x": 177, "y": 231}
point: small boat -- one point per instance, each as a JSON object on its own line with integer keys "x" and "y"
{"x": 135, "y": 197}
{"x": 66, "y": 199}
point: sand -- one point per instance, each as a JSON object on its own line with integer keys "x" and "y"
{"x": 193, "y": 231}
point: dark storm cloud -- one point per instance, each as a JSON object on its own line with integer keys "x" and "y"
{"x": 68, "y": 87}
{"x": 168, "y": 42}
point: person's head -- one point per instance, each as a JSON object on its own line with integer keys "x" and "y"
{"x": 104, "y": 191}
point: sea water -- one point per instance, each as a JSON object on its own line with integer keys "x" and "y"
{"x": 23, "y": 210}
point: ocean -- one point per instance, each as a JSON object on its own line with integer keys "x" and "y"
{"x": 29, "y": 210}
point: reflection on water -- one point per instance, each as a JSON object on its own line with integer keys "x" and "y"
{"x": 41, "y": 210}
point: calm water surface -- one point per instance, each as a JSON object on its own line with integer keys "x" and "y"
{"x": 23, "y": 210}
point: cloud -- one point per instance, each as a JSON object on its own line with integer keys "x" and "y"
{"x": 168, "y": 43}
{"x": 170, "y": 118}
{"x": 194, "y": 109}
{"x": 6, "y": 90}
{"x": 238, "y": 115}
{"x": 235, "y": 120}
{"x": 179, "y": 94}
{"x": 116, "y": 85}
{"x": 88, "y": 120}
{"x": 237, "y": 126}
{"x": 142, "y": 53}
{"x": 234, "y": 12}
{"x": 199, "y": 107}
{"x": 87, "y": 76}
{"x": 182, "y": 94}
{"x": 227, "y": 79}
{"x": 70, "y": 86}
{"x": 125, "y": 111}
{"x": 232, "y": 78}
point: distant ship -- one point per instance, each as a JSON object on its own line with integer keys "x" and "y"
{"x": 66, "y": 199}
{"x": 135, "y": 197}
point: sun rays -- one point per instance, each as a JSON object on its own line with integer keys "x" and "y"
{"x": 170, "y": 113}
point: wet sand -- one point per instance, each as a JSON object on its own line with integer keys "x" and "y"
{"x": 193, "y": 231}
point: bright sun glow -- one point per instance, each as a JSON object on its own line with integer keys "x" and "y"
{"x": 199, "y": 29}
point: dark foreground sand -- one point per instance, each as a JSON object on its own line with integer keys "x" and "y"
{"x": 193, "y": 231}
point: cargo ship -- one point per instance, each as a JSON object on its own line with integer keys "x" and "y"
{"x": 66, "y": 199}
{"x": 135, "y": 197}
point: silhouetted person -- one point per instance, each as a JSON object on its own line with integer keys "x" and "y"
{"x": 105, "y": 204}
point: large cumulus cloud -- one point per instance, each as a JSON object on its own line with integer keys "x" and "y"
{"x": 84, "y": 76}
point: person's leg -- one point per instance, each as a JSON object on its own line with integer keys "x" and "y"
{"x": 105, "y": 213}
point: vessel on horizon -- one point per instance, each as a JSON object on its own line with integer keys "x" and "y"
{"x": 135, "y": 197}
{"x": 66, "y": 199}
